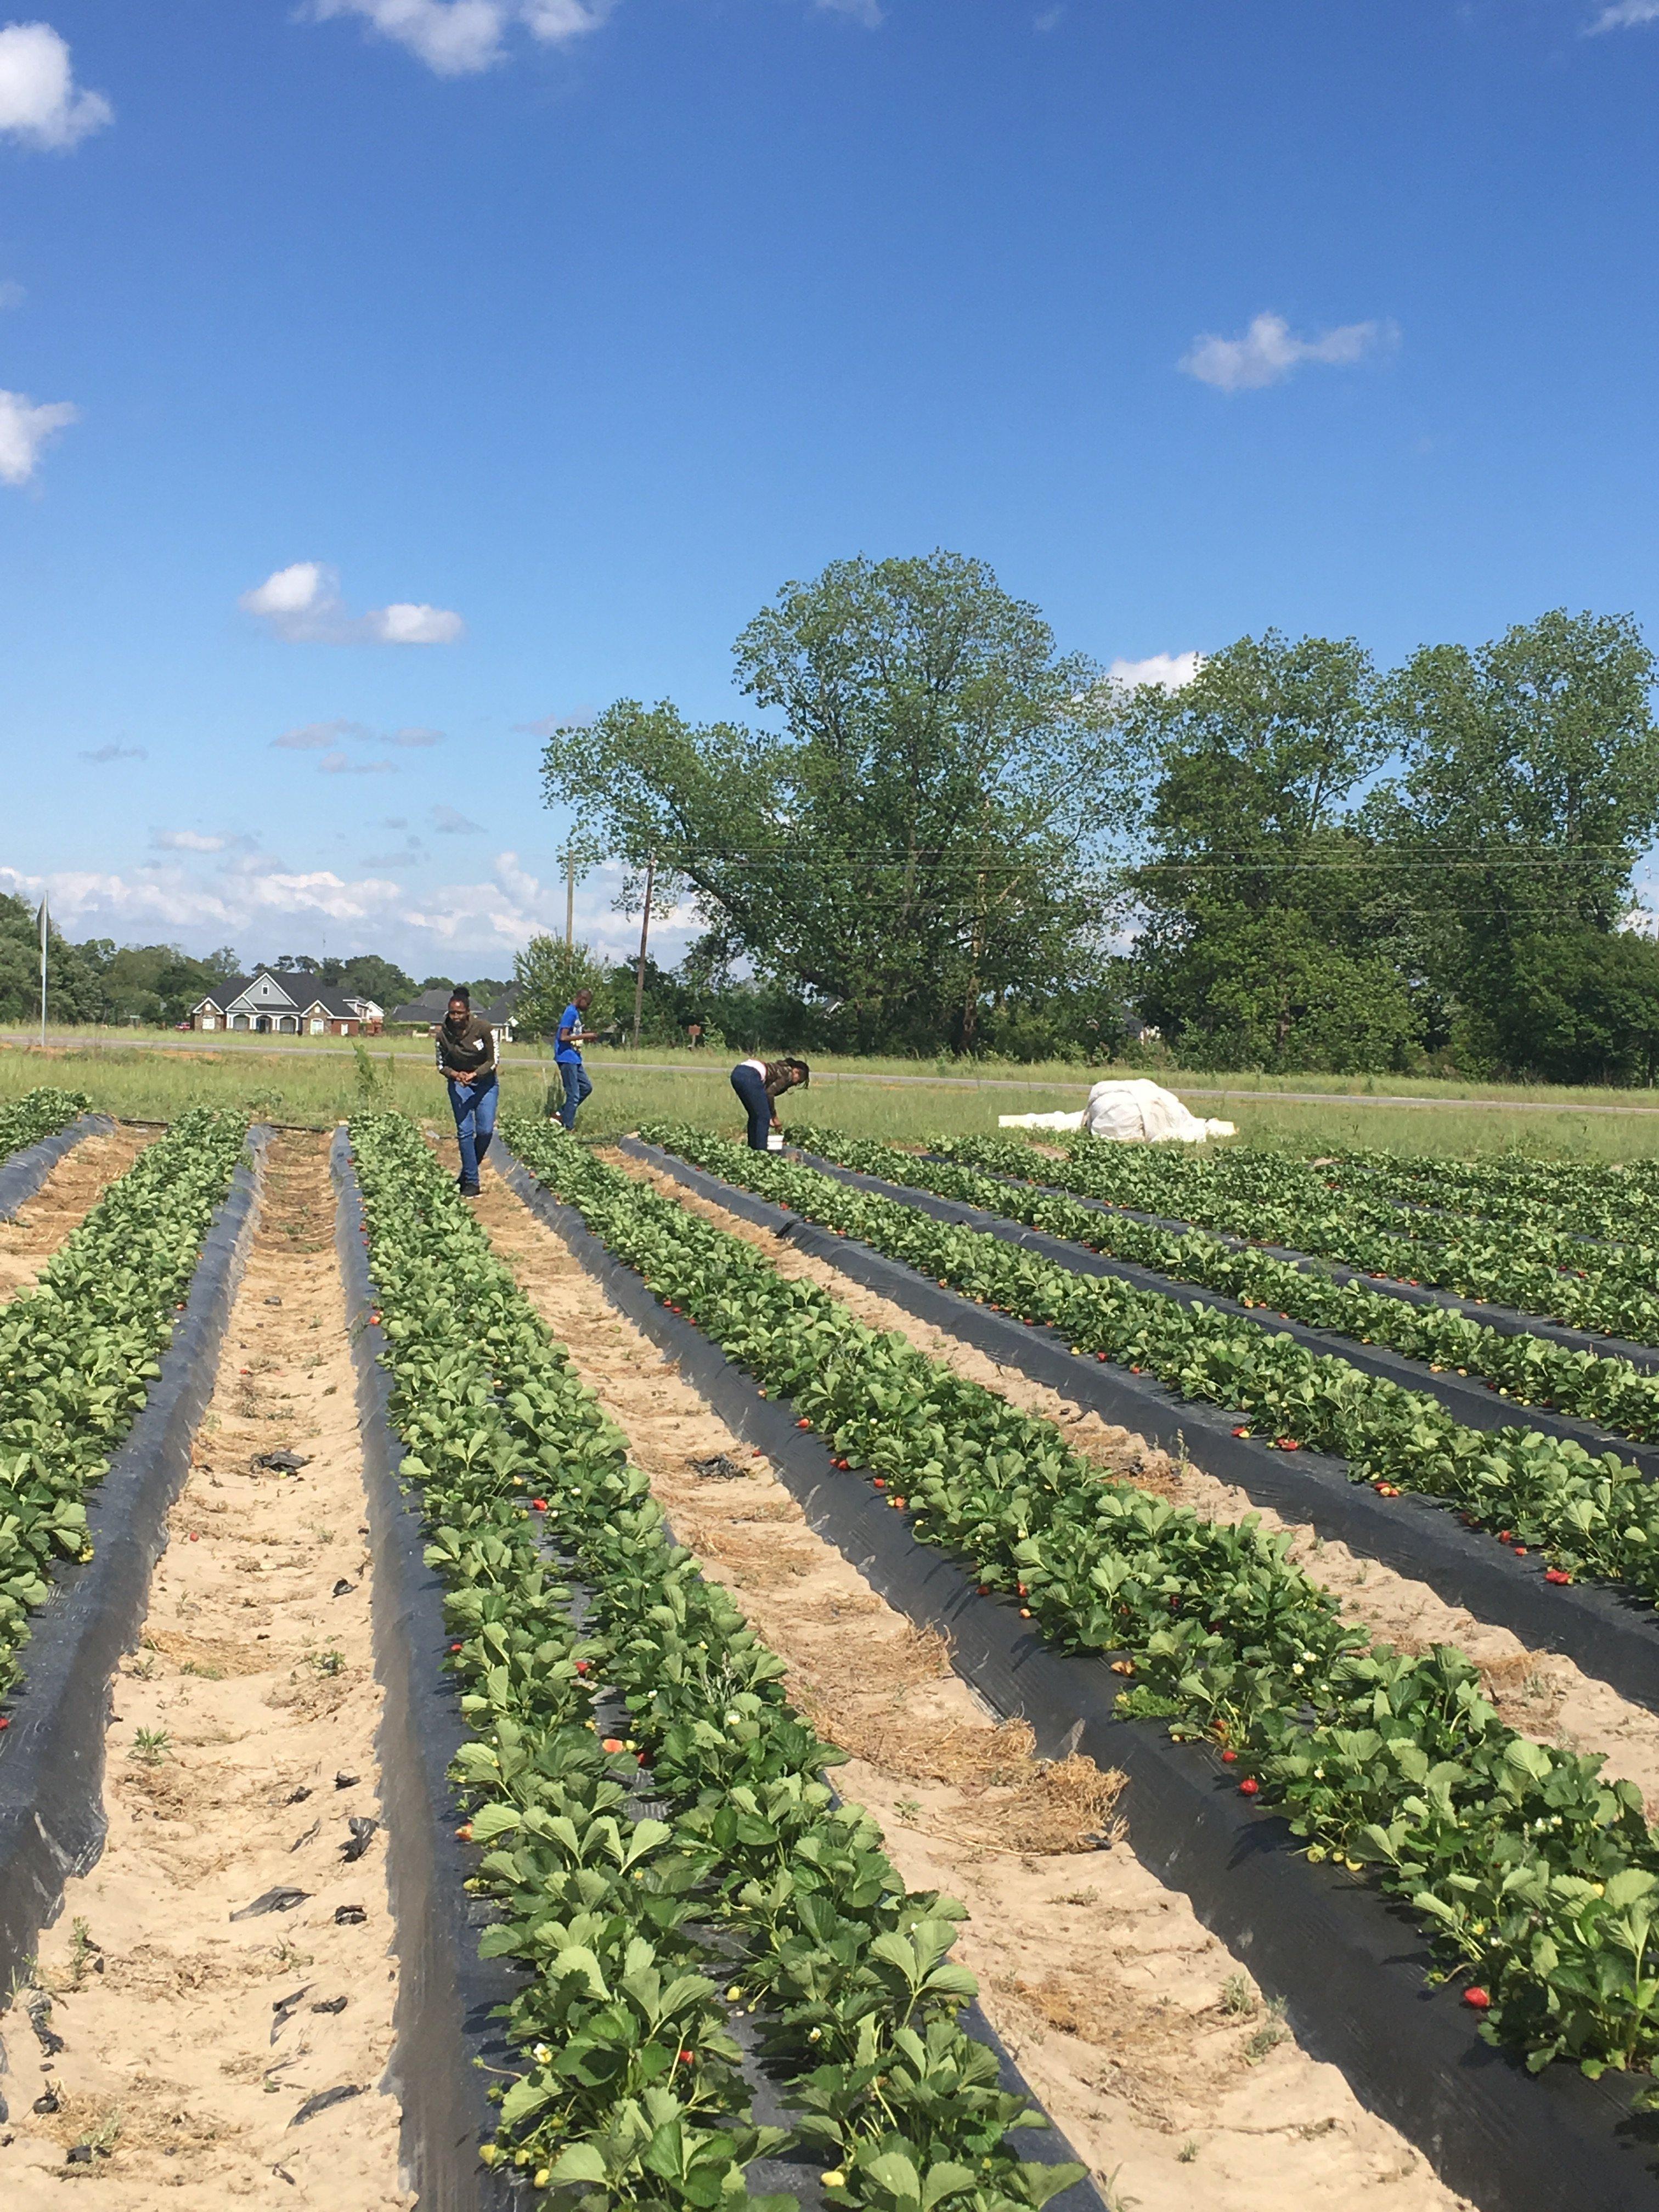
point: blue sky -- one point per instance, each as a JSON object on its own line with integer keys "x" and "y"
{"x": 391, "y": 376}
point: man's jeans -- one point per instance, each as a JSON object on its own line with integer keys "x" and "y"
{"x": 473, "y": 1105}
{"x": 577, "y": 1087}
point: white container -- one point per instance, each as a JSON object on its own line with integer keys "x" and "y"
{"x": 774, "y": 1140}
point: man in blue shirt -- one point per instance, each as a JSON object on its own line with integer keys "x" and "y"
{"x": 567, "y": 1057}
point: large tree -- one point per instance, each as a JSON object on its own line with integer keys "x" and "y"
{"x": 1265, "y": 930}
{"x": 1529, "y": 788}
{"x": 914, "y": 834}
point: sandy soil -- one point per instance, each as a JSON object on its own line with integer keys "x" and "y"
{"x": 1538, "y": 1692}
{"x": 62, "y": 1201}
{"x": 193, "y": 2039}
{"x": 1140, "y": 2031}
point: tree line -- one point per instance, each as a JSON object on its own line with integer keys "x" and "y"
{"x": 98, "y": 981}
{"x": 939, "y": 832}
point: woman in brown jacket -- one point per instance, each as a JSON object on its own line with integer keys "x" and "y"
{"x": 759, "y": 1085}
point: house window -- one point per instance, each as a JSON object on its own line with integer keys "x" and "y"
{"x": 241, "y": 1022}
{"x": 319, "y": 1029}
{"x": 208, "y": 1023}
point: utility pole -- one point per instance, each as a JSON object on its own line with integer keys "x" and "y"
{"x": 44, "y": 925}
{"x": 569, "y": 896}
{"x": 645, "y": 933}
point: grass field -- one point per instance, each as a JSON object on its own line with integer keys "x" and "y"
{"x": 314, "y": 1082}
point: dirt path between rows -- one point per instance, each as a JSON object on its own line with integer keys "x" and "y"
{"x": 63, "y": 1202}
{"x": 242, "y": 1740}
{"x": 1539, "y": 1693}
{"x": 1141, "y": 2033}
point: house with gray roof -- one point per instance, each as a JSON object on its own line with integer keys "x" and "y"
{"x": 286, "y": 1003}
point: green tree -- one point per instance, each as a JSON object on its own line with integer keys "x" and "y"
{"x": 1268, "y": 928}
{"x": 915, "y": 839}
{"x": 1529, "y": 788}
{"x": 548, "y": 974}
{"x": 72, "y": 981}
{"x": 366, "y": 975}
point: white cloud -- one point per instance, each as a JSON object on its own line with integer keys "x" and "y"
{"x": 556, "y": 22}
{"x": 104, "y": 755}
{"x": 292, "y": 598}
{"x": 1171, "y": 670}
{"x": 454, "y": 823}
{"x": 461, "y": 38}
{"x": 252, "y": 899}
{"x": 415, "y": 625}
{"x": 187, "y": 840}
{"x": 342, "y": 764}
{"x": 302, "y": 604}
{"x": 1268, "y": 352}
{"x": 25, "y": 428}
{"x": 39, "y": 104}
{"x": 315, "y": 737}
{"x": 455, "y": 38}
{"x": 1626, "y": 15}
{"x": 867, "y": 12}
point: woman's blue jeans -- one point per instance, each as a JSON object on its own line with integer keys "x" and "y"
{"x": 577, "y": 1087}
{"x": 473, "y": 1105}
{"x": 751, "y": 1086}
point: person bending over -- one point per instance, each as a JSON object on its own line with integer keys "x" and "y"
{"x": 759, "y": 1085}
{"x": 466, "y": 1061}
{"x": 567, "y": 1057}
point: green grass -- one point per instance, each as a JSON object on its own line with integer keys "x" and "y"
{"x": 900, "y": 1101}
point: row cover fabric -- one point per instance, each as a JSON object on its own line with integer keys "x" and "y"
{"x": 1132, "y": 1112}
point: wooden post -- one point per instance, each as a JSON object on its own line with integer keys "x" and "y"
{"x": 645, "y": 933}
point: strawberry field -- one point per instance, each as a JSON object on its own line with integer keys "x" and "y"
{"x": 714, "y": 1981}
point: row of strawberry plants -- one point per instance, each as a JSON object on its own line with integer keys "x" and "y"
{"x": 1589, "y": 1515}
{"x": 39, "y": 1113}
{"x": 1609, "y": 1200}
{"x": 79, "y": 1350}
{"x": 1536, "y": 1876}
{"x": 632, "y": 2093}
{"x": 1549, "y": 1273}
{"x": 1530, "y": 1370}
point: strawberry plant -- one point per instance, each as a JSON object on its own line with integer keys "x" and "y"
{"x": 39, "y": 1113}
{"x": 1535, "y": 1874}
{"x": 1530, "y": 1370}
{"x": 79, "y": 1350}
{"x": 1266, "y": 1198}
{"x": 1587, "y": 1514}
{"x": 760, "y": 1910}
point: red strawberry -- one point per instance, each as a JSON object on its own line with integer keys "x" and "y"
{"x": 1249, "y": 1786}
{"x": 1557, "y": 1575}
{"x": 540, "y": 1504}
{"x": 612, "y": 1743}
{"x": 803, "y": 1424}
{"x": 880, "y": 1481}
{"x": 1479, "y": 1998}
{"x": 1228, "y": 1758}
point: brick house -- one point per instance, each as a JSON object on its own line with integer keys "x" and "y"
{"x": 286, "y": 1005}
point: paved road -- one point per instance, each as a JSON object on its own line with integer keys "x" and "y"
{"x": 196, "y": 1042}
